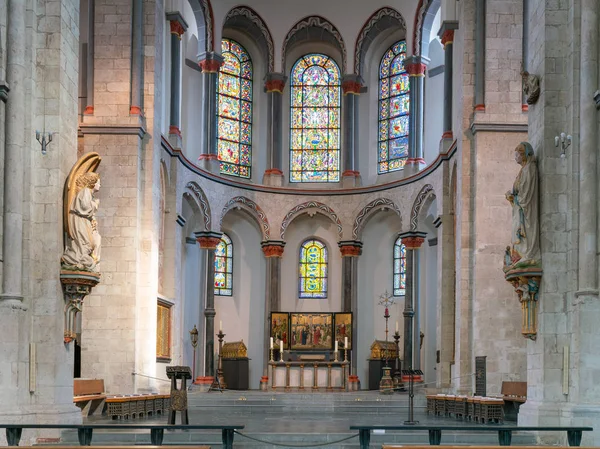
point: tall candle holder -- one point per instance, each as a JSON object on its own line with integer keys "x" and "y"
{"x": 271, "y": 351}
{"x": 386, "y": 384}
{"x": 397, "y": 374}
{"x": 335, "y": 355}
{"x": 220, "y": 377}
{"x": 345, "y": 354}
{"x": 281, "y": 356}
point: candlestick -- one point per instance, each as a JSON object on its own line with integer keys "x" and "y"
{"x": 220, "y": 325}
{"x": 271, "y": 345}
{"x": 281, "y": 350}
{"x": 345, "y": 342}
{"x": 396, "y": 326}
{"x": 335, "y": 352}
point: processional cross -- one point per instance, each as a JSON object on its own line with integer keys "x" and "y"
{"x": 386, "y": 300}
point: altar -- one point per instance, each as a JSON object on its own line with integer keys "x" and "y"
{"x": 309, "y": 375}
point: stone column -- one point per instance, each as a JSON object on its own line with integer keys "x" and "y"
{"x": 412, "y": 241}
{"x": 273, "y": 251}
{"x": 137, "y": 58}
{"x": 446, "y": 34}
{"x": 16, "y": 75}
{"x": 350, "y": 250}
{"x": 415, "y": 67}
{"x": 525, "y": 50}
{"x": 89, "y": 86}
{"x": 274, "y": 85}
{"x": 208, "y": 241}
{"x": 178, "y": 27}
{"x": 209, "y": 62}
{"x": 480, "y": 16}
{"x": 351, "y": 85}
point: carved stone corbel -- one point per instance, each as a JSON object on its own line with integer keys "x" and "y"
{"x": 76, "y": 286}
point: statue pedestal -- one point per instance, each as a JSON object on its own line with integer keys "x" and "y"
{"x": 526, "y": 281}
{"x": 76, "y": 286}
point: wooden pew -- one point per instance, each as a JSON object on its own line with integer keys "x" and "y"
{"x": 121, "y": 446}
{"x": 88, "y": 395}
{"x": 514, "y": 394}
{"x": 473, "y": 446}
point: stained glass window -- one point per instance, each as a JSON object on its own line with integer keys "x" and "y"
{"x": 399, "y": 268}
{"x": 315, "y": 120}
{"x": 313, "y": 269}
{"x": 224, "y": 267}
{"x": 234, "y": 123}
{"x": 394, "y": 106}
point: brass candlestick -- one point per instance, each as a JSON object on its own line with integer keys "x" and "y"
{"x": 280, "y": 355}
{"x": 271, "y": 351}
{"x": 336, "y": 356}
{"x": 345, "y": 354}
{"x": 220, "y": 335}
{"x": 397, "y": 374}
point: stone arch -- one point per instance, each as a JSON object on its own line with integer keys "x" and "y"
{"x": 246, "y": 20}
{"x": 426, "y": 12}
{"x": 253, "y": 209}
{"x": 380, "y": 21}
{"x": 195, "y": 192}
{"x": 313, "y": 28}
{"x": 205, "y": 22}
{"x": 310, "y": 207}
{"x": 426, "y": 195}
{"x": 371, "y": 209}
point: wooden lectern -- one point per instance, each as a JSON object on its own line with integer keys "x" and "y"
{"x": 178, "y": 397}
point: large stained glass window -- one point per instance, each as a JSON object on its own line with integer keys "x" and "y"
{"x": 313, "y": 269}
{"x": 224, "y": 267}
{"x": 394, "y": 106}
{"x": 234, "y": 123}
{"x": 315, "y": 120}
{"x": 399, "y": 268}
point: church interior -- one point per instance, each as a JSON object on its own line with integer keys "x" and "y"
{"x": 290, "y": 196}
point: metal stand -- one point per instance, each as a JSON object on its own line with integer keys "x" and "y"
{"x": 219, "y": 382}
{"x": 397, "y": 376}
{"x": 411, "y": 373}
{"x": 178, "y": 396}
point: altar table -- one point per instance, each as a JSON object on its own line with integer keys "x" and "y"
{"x": 304, "y": 375}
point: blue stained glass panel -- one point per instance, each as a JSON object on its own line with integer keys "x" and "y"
{"x": 394, "y": 109}
{"x": 223, "y": 282}
{"x": 315, "y": 119}
{"x": 399, "y": 267}
{"x": 234, "y": 106}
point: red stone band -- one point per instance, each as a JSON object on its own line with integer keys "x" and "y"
{"x": 351, "y": 173}
{"x": 480, "y": 107}
{"x": 412, "y": 242}
{"x": 89, "y": 110}
{"x": 210, "y": 65}
{"x": 135, "y": 110}
{"x": 174, "y": 130}
{"x": 273, "y": 250}
{"x": 350, "y": 250}
{"x": 208, "y": 156}
{"x": 208, "y": 242}
{"x": 274, "y": 86}
{"x": 416, "y": 69}
{"x": 273, "y": 171}
{"x": 447, "y": 135}
{"x": 351, "y": 87}
{"x": 447, "y": 37}
{"x": 177, "y": 28}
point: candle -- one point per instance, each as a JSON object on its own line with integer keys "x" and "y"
{"x": 336, "y": 346}
{"x": 271, "y": 342}
{"x": 220, "y": 325}
{"x": 281, "y": 346}
{"x": 396, "y": 326}
{"x": 345, "y": 342}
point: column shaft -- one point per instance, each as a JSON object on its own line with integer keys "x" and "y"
{"x": 351, "y": 250}
{"x": 274, "y": 85}
{"x": 417, "y": 309}
{"x": 178, "y": 27}
{"x": 525, "y": 49}
{"x": 588, "y": 150}
{"x": 137, "y": 57}
{"x": 89, "y": 107}
{"x": 273, "y": 251}
{"x": 480, "y": 16}
{"x": 351, "y": 85}
{"x": 16, "y": 76}
{"x": 446, "y": 34}
{"x": 210, "y": 64}
{"x": 415, "y": 68}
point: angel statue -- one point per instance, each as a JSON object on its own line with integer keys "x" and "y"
{"x": 524, "y": 199}
{"x": 82, "y": 246}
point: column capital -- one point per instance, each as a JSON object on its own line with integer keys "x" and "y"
{"x": 208, "y": 239}
{"x": 413, "y": 239}
{"x": 273, "y": 248}
{"x": 416, "y": 65}
{"x": 210, "y": 62}
{"x": 446, "y": 32}
{"x": 177, "y": 22}
{"x": 350, "y": 248}
{"x": 351, "y": 84}
{"x": 275, "y": 82}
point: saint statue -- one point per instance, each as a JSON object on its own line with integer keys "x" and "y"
{"x": 524, "y": 199}
{"x": 82, "y": 246}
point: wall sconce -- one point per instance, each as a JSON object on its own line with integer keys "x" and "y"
{"x": 44, "y": 139}
{"x": 564, "y": 141}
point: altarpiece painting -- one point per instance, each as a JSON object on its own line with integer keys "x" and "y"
{"x": 310, "y": 331}
{"x": 280, "y": 329}
{"x": 343, "y": 328}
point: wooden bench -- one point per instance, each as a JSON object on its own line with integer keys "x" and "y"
{"x": 390, "y": 446}
{"x": 88, "y": 395}
{"x": 122, "y": 446}
{"x": 514, "y": 394}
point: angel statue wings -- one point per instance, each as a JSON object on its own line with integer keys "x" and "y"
{"x": 82, "y": 240}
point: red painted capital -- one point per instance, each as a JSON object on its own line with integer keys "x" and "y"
{"x": 351, "y": 87}
{"x": 210, "y": 65}
{"x": 447, "y": 135}
{"x": 208, "y": 157}
{"x": 273, "y": 171}
{"x": 273, "y": 250}
{"x": 350, "y": 174}
{"x": 416, "y": 69}
{"x": 412, "y": 242}
{"x": 174, "y": 130}
{"x": 480, "y": 107}
{"x": 135, "y": 110}
{"x": 208, "y": 242}
{"x": 89, "y": 110}
{"x": 274, "y": 85}
{"x": 177, "y": 28}
{"x": 350, "y": 250}
{"x": 447, "y": 37}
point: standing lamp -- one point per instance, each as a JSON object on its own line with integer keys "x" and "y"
{"x": 194, "y": 339}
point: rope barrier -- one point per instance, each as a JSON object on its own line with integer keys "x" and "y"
{"x": 296, "y": 445}
{"x": 149, "y": 377}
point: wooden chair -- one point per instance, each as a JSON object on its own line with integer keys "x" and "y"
{"x": 514, "y": 394}
{"x": 88, "y": 395}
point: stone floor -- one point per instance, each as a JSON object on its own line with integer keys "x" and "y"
{"x": 307, "y": 419}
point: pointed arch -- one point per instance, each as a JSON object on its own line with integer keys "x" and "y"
{"x": 426, "y": 194}
{"x": 313, "y": 28}
{"x": 194, "y": 191}
{"x": 253, "y": 209}
{"x": 308, "y": 207}
{"x": 381, "y": 20}
{"x": 371, "y": 209}
{"x": 247, "y": 20}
